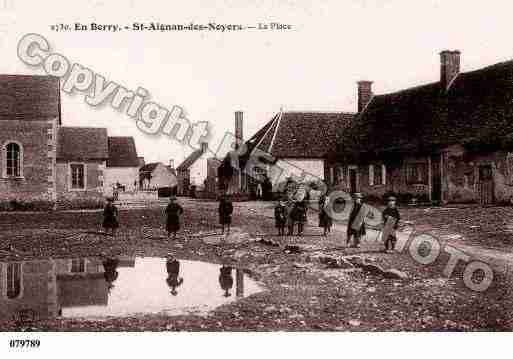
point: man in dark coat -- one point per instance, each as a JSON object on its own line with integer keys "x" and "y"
{"x": 110, "y": 216}
{"x": 356, "y": 224}
{"x": 225, "y": 213}
{"x": 226, "y": 279}
{"x": 173, "y": 271}
{"x": 392, "y": 213}
{"x": 325, "y": 220}
{"x": 173, "y": 213}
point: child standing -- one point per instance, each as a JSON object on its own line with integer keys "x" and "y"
{"x": 325, "y": 220}
{"x": 173, "y": 212}
{"x": 110, "y": 216}
{"x": 390, "y": 214}
{"x": 225, "y": 213}
{"x": 280, "y": 217}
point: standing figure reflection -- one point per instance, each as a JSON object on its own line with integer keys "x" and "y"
{"x": 173, "y": 271}
{"x": 110, "y": 266}
{"x": 226, "y": 279}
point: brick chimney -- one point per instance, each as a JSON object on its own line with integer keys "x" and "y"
{"x": 449, "y": 67}
{"x": 171, "y": 163}
{"x": 364, "y": 94}
{"x": 239, "y": 124}
{"x": 141, "y": 161}
{"x": 204, "y": 147}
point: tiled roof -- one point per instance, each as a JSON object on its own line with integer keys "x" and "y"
{"x": 189, "y": 161}
{"x": 82, "y": 143}
{"x": 122, "y": 152}
{"x": 476, "y": 109}
{"x": 27, "y": 97}
{"x": 149, "y": 167}
{"x": 300, "y": 134}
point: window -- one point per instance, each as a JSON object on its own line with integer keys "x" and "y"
{"x": 417, "y": 173}
{"x": 78, "y": 265}
{"x": 377, "y": 175}
{"x": 340, "y": 174}
{"x": 13, "y": 160}
{"x": 13, "y": 280}
{"x": 77, "y": 176}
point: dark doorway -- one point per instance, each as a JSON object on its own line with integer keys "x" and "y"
{"x": 436, "y": 179}
{"x": 486, "y": 196}
{"x": 353, "y": 180}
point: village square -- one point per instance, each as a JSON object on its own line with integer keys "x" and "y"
{"x": 394, "y": 216}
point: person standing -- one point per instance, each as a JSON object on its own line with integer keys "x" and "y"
{"x": 356, "y": 224}
{"x": 110, "y": 217}
{"x": 325, "y": 220}
{"x": 225, "y": 213}
{"x": 173, "y": 274}
{"x": 173, "y": 212}
{"x": 226, "y": 279}
{"x": 280, "y": 217}
{"x": 390, "y": 214}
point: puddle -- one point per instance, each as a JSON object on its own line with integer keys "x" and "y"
{"x": 120, "y": 287}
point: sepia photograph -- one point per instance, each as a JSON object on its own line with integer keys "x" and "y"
{"x": 326, "y": 172}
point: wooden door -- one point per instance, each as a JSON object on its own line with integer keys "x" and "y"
{"x": 436, "y": 178}
{"x": 485, "y": 185}
{"x": 353, "y": 180}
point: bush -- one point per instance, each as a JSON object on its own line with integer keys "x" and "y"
{"x": 27, "y": 205}
{"x": 80, "y": 203}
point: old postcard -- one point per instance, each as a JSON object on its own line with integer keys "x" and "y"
{"x": 254, "y": 166}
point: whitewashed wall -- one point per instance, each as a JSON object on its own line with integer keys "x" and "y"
{"x": 126, "y": 176}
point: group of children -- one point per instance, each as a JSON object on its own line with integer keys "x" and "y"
{"x": 287, "y": 214}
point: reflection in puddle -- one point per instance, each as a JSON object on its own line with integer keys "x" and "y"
{"x": 96, "y": 288}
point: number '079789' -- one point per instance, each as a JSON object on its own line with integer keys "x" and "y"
{"x": 27, "y": 343}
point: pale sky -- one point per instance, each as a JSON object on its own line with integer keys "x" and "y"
{"x": 313, "y": 67}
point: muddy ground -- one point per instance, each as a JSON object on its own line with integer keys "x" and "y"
{"x": 300, "y": 293}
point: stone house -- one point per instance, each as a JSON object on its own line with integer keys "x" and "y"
{"x": 41, "y": 160}
{"x": 294, "y": 144}
{"x": 448, "y": 141}
{"x": 122, "y": 164}
{"x": 156, "y": 175}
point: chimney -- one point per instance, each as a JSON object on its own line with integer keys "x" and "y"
{"x": 171, "y": 163}
{"x": 141, "y": 161}
{"x": 364, "y": 94}
{"x": 204, "y": 147}
{"x": 449, "y": 67}
{"x": 238, "y": 128}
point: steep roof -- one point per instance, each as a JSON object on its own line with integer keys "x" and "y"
{"x": 189, "y": 161}
{"x": 122, "y": 152}
{"x": 149, "y": 167}
{"x": 475, "y": 110}
{"x": 29, "y": 97}
{"x": 82, "y": 143}
{"x": 300, "y": 134}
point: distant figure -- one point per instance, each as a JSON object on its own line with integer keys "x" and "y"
{"x": 225, "y": 213}
{"x": 356, "y": 224}
{"x": 226, "y": 279}
{"x": 280, "y": 217}
{"x": 110, "y": 274}
{"x": 259, "y": 194}
{"x": 173, "y": 212}
{"x": 173, "y": 271}
{"x": 110, "y": 217}
{"x": 325, "y": 220}
{"x": 267, "y": 189}
{"x": 390, "y": 214}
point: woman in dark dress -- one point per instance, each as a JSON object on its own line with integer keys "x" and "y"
{"x": 225, "y": 213}
{"x": 173, "y": 213}
{"x": 110, "y": 216}
{"x": 226, "y": 279}
{"x": 173, "y": 271}
{"x": 325, "y": 220}
{"x": 298, "y": 215}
